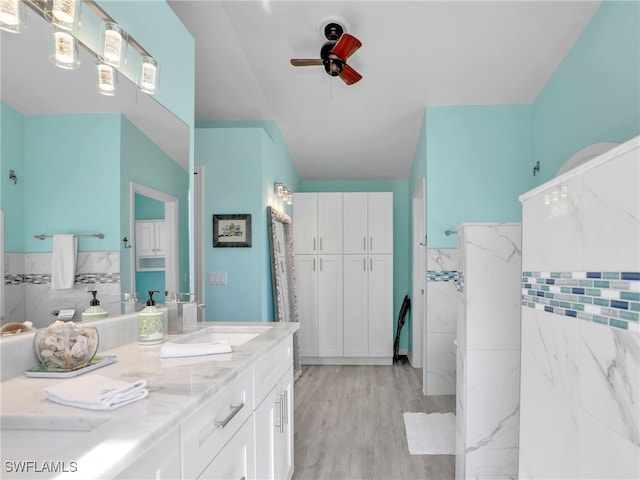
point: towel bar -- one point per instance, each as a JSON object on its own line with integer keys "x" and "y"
{"x": 96, "y": 235}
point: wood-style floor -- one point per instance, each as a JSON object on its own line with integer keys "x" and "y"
{"x": 349, "y": 424}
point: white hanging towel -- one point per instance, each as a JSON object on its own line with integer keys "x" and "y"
{"x": 63, "y": 261}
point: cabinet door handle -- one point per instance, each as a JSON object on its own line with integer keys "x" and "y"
{"x": 314, "y": 244}
{"x": 364, "y": 243}
{"x": 371, "y": 264}
{"x": 320, "y": 264}
{"x": 234, "y": 411}
{"x": 314, "y": 264}
{"x": 370, "y": 243}
{"x": 320, "y": 243}
{"x": 286, "y": 407}
{"x": 279, "y": 404}
{"x": 364, "y": 264}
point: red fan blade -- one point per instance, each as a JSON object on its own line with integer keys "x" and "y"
{"x": 346, "y": 46}
{"x": 305, "y": 62}
{"x": 349, "y": 75}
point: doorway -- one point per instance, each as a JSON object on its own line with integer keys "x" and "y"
{"x": 418, "y": 246}
{"x": 170, "y": 209}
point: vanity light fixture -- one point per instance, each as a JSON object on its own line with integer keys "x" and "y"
{"x": 148, "y": 75}
{"x": 113, "y": 44}
{"x": 278, "y": 189}
{"x": 12, "y": 16}
{"x": 64, "y": 14}
{"x": 65, "y": 50}
{"x": 107, "y": 79}
{"x": 289, "y": 198}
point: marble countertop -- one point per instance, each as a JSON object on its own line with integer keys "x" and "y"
{"x": 91, "y": 444}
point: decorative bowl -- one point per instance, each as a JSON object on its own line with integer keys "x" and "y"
{"x": 64, "y": 346}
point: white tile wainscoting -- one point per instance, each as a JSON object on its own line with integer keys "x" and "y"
{"x": 28, "y": 293}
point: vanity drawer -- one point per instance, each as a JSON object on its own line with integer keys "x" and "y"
{"x": 269, "y": 370}
{"x": 206, "y": 431}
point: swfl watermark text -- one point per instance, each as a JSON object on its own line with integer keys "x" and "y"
{"x": 34, "y": 466}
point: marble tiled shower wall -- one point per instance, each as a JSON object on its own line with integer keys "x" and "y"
{"x": 442, "y": 275}
{"x": 488, "y": 356}
{"x": 580, "y": 413}
{"x": 28, "y": 294}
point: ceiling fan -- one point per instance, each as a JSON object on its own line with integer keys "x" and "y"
{"x": 334, "y": 54}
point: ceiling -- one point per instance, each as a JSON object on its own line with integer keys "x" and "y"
{"x": 414, "y": 54}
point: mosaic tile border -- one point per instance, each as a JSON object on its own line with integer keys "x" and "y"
{"x": 608, "y": 298}
{"x": 443, "y": 275}
{"x": 45, "y": 278}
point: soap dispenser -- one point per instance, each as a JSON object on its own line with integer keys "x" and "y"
{"x": 150, "y": 323}
{"x": 95, "y": 311}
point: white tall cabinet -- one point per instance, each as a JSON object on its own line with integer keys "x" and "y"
{"x": 344, "y": 285}
{"x": 317, "y": 235}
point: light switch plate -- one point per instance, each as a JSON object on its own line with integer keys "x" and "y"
{"x": 217, "y": 278}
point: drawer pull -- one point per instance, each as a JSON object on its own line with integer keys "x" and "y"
{"x": 234, "y": 411}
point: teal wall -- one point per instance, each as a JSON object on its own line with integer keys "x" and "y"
{"x": 401, "y": 239}
{"x": 478, "y": 163}
{"x": 12, "y": 132}
{"x": 70, "y": 175}
{"x": 594, "y": 95}
{"x": 242, "y": 161}
{"x": 144, "y": 163}
{"x": 148, "y": 21}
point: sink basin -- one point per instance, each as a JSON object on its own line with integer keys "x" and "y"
{"x": 234, "y": 336}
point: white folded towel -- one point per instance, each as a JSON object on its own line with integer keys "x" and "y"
{"x": 96, "y": 392}
{"x": 170, "y": 349}
{"x": 63, "y": 261}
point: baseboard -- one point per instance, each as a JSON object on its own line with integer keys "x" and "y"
{"x": 411, "y": 361}
{"x": 346, "y": 360}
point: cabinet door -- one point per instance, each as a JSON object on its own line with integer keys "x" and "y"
{"x": 305, "y": 222}
{"x": 329, "y": 223}
{"x": 161, "y": 238}
{"x": 356, "y": 297}
{"x": 380, "y": 222}
{"x": 145, "y": 241}
{"x": 330, "y": 306}
{"x": 161, "y": 461}
{"x": 267, "y": 421}
{"x": 284, "y": 453}
{"x": 381, "y": 306}
{"x": 307, "y": 297}
{"x": 236, "y": 459}
{"x": 354, "y": 223}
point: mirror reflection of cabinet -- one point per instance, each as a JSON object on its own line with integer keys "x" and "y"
{"x": 151, "y": 244}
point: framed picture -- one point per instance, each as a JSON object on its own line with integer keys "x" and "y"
{"x": 232, "y": 230}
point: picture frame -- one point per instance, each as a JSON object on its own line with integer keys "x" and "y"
{"x": 232, "y": 230}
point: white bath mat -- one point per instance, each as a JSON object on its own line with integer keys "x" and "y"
{"x": 430, "y": 433}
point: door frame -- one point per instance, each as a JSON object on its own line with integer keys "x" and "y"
{"x": 418, "y": 271}
{"x": 171, "y": 283}
{"x": 198, "y": 232}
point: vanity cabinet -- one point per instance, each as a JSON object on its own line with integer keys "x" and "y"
{"x": 205, "y": 432}
{"x": 236, "y": 459}
{"x": 161, "y": 461}
{"x": 274, "y": 431}
{"x": 317, "y": 228}
{"x": 150, "y": 244}
{"x": 274, "y": 414}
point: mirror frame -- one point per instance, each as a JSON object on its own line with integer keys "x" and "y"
{"x": 273, "y": 217}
